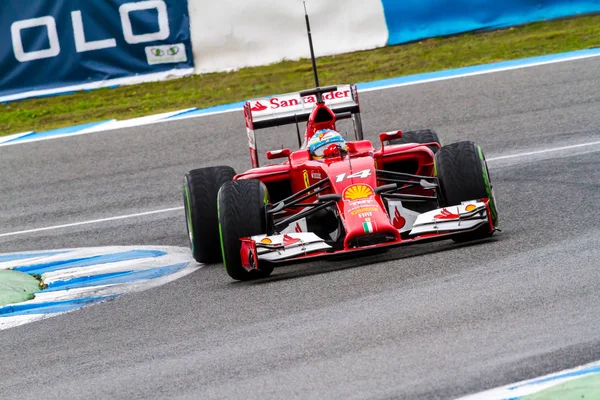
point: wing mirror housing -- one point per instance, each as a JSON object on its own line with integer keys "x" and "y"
{"x": 390, "y": 135}
{"x": 274, "y": 154}
{"x": 385, "y": 136}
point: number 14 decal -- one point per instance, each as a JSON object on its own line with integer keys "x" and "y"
{"x": 361, "y": 174}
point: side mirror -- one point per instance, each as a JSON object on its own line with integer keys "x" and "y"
{"x": 274, "y": 154}
{"x": 385, "y": 136}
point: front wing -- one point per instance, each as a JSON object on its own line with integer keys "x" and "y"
{"x": 434, "y": 225}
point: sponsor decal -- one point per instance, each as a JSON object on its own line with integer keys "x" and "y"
{"x": 306, "y": 180}
{"x": 294, "y": 101}
{"x": 165, "y": 54}
{"x": 341, "y": 94}
{"x": 288, "y": 240}
{"x": 368, "y": 227}
{"x": 251, "y": 142}
{"x": 398, "y": 220}
{"x": 358, "y": 192}
{"x": 470, "y": 207}
{"x": 258, "y": 107}
{"x": 364, "y": 210}
{"x": 266, "y": 241}
{"x": 360, "y": 174}
{"x": 445, "y": 214}
{"x": 248, "y": 116}
{"x": 316, "y": 175}
{"x": 362, "y": 203}
{"x": 83, "y": 44}
{"x": 276, "y": 103}
{"x": 298, "y": 228}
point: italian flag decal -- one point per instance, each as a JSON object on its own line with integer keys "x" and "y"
{"x": 368, "y": 227}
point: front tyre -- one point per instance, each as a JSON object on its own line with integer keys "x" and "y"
{"x": 463, "y": 175}
{"x": 200, "y": 189}
{"x": 242, "y": 213}
{"x": 421, "y": 136}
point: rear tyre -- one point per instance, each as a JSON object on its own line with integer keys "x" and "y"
{"x": 420, "y": 136}
{"x": 200, "y": 189}
{"x": 242, "y": 213}
{"x": 463, "y": 175}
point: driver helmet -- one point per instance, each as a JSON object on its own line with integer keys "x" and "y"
{"x": 327, "y": 143}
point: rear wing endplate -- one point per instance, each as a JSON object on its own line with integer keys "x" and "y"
{"x": 293, "y": 108}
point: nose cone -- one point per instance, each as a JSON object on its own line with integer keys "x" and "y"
{"x": 365, "y": 219}
{"x": 367, "y": 223}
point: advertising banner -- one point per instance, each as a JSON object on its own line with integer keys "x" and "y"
{"x": 419, "y": 19}
{"x": 62, "y": 43}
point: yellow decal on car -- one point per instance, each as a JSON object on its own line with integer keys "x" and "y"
{"x": 356, "y": 192}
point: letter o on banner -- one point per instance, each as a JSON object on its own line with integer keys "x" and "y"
{"x": 17, "y": 40}
{"x": 163, "y": 21}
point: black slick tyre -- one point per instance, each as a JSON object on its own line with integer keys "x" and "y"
{"x": 200, "y": 189}
{"x": 420, "y": 136}
{"x": 463, "y": 175}
{"x": 242, "y": 213}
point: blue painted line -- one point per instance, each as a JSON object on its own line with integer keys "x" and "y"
{"x": 374, "y": 85}
{"x": 27, "y": 136}
{"x": 50, "y": 307}
{"x": 474, "y": 69}
{"x": 115, "y": 278}
{"x": 587, "y": 371}
{"x": 60, "y": 131}
{"x": 221, "y": 108}
{"x": 381, "y": 84}
{"x": 89, "y": 261}
{"x": 24, "y": 256}
{"x": 182, "y": 112}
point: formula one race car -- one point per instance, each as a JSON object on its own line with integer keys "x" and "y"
{"x": 332, "y": 197}
{"x": 351, "y": 199}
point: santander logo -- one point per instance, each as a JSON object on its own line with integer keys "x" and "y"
{"x": 259, "y": 107}
{"x": 445, "y": 214}
{"x": 288, "y": 240}
{"x": 284, "y": 102}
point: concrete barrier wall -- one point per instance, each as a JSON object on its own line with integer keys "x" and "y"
{"x": 235, "y": 33}
{"x": 232, "y": 34}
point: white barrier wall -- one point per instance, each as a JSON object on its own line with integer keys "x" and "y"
{"x": 230, "y": 34}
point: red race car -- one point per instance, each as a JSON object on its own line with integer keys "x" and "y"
{"x": 332, "y": 197}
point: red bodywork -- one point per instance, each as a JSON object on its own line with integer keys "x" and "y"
{"x": 353, "y": 177}
{"x": 351, "y": 181}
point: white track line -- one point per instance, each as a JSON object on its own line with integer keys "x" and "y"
{"x": 95, "y": 221}
{"x": 172, "y": 209}
{"x": 531, "y": 153}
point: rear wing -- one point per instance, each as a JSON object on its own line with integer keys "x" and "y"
{"x": 293, "y": 108}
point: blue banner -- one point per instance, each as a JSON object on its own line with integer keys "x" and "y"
{"x": 56, "y": 43}
{"x": 419, "y": 19}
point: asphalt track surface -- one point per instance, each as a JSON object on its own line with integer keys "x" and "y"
{"x": 432, "y": 321}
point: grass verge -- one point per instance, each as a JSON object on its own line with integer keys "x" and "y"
{"x": 221, "y": 88}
